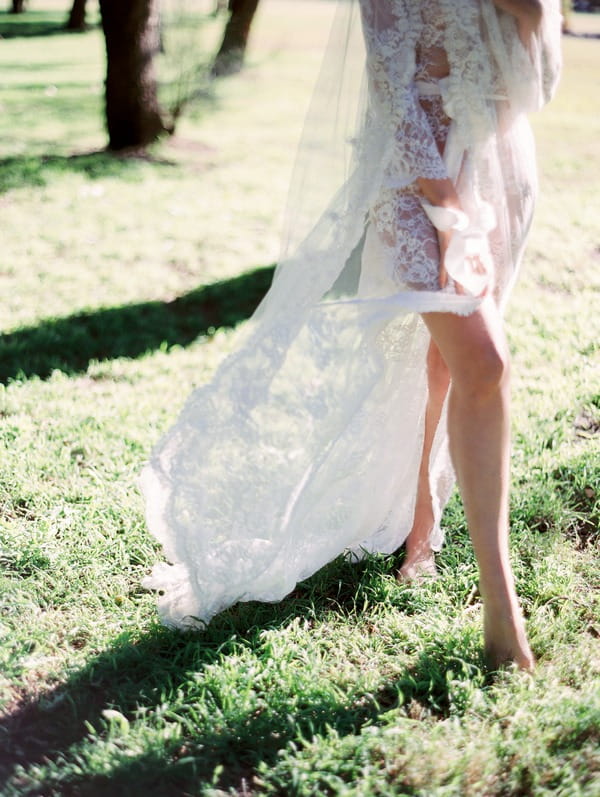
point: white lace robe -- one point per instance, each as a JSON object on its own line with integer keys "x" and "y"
{"x": 308, "y": 440}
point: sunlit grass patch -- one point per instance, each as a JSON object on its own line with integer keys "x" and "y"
{"x": 124, "y": 283}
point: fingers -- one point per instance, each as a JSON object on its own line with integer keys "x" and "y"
{"x": 474, "y": 265}
{"x": 443, "y": 276}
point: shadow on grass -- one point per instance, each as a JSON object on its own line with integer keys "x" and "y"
{"x": 33, "y": 23}
{"x": 167, "y": 678}
{"x": 70, "y": 344}
{"x": 37, "y": 170}
{"x": 574, "y": 35}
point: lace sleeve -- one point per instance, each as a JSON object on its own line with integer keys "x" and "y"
{"x": 391, "y": 29}
{"x": 529, "y": 75}
{"x": 545, "y": 53}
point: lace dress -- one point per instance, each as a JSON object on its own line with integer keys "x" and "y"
{"x": 307, "y": 442}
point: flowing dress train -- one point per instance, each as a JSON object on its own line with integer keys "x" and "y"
{"x": 307, "y": 442}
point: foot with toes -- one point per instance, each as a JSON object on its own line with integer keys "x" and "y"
{"x": 505, "y": 640}
{"x": 417, "y": 569}
{"x": 419, "y": 559}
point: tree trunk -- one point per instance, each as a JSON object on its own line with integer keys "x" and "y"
{"x": 131, "y": 31}
{"x": 76, "y": 20}
{"x": 230, "y": 57}
{"x": 17, "y": 7}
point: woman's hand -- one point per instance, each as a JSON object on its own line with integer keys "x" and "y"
{"x": 463, "y": 242}
{"x": 440, "y": 193}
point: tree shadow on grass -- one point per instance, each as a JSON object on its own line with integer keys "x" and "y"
{"x": 33, "y": 23}
{"x": 166, "y": 677}
{"x": 37, "y": 170}
{"x": 571, "y": 34}
{"x": 70, "y": 344}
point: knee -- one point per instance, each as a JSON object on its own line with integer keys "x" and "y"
{"x": 484, "y": 372}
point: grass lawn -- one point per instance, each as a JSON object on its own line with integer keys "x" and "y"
{"x": 123, "y": 283}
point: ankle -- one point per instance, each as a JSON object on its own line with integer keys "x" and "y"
{"x": 500, "y": 598}
{"x": 420, "y": 533}
{"x": 418, "y": 553}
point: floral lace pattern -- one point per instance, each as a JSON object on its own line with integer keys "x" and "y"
{"x": 391, "y": 67}
{"x": 407, "y": 236}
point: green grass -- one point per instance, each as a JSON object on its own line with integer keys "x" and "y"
{"x": 123, "y": 283}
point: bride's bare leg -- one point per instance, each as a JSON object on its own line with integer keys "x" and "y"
{"x": 419, "y": 558}
{"x": 475, "y": 351}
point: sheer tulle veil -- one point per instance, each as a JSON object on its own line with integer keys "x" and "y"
{"x": 307, "y": 441}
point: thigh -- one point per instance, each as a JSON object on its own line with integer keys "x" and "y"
{"x": 473, "y": 347}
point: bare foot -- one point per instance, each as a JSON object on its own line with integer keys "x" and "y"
{"x": 417, "y": 568}
{"x": 505, "y": 639}
{"x": 419, "y": 561}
